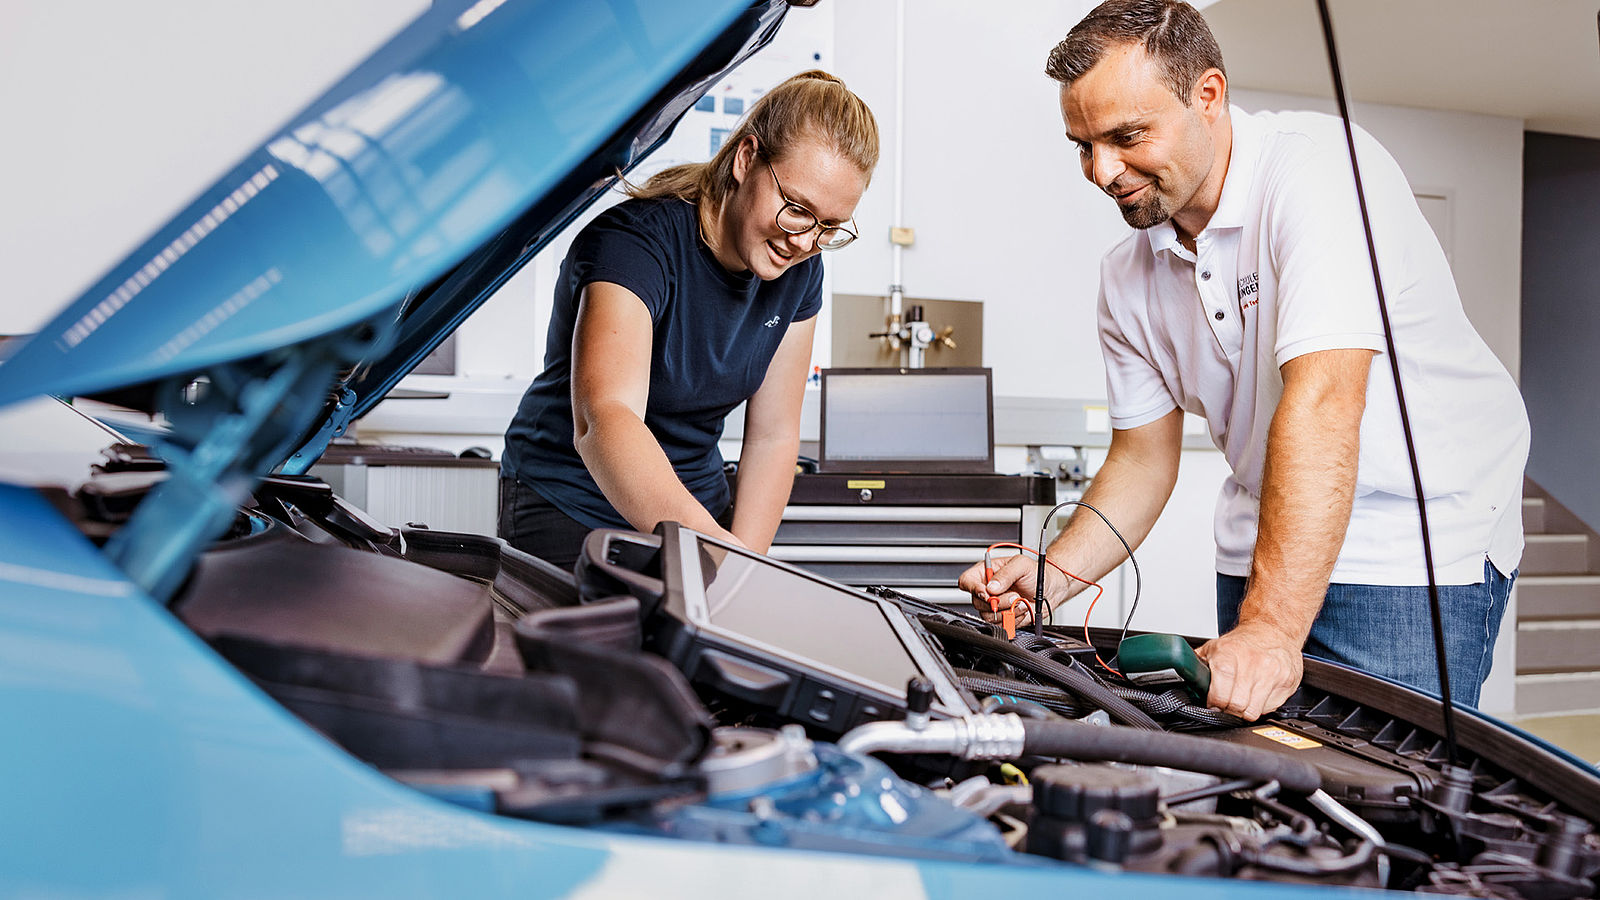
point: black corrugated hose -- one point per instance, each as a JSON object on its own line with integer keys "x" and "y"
{"x": 1054, "y": 699}
{"x": 1174, "y": 702}
{"x": 1082, "y": 685}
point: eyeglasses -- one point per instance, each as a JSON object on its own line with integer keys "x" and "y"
{"x": 796, "y": 219}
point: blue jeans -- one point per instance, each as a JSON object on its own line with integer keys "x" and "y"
{"x": 1387, "y": 630}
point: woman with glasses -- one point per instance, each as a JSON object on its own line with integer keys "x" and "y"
{"x": 698, "y": 293}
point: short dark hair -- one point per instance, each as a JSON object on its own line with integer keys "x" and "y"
{"x": 1173, "y": 33}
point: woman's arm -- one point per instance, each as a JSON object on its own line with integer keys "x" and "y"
{"x": 772, "y": 439}
{"x": 611, "y": 343}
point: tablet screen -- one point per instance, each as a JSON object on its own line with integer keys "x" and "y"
{"x": 829, "y": 625}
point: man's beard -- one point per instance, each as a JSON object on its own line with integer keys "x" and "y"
{"x": 1145, "y": 215}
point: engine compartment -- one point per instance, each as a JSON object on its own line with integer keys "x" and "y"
{"x": 486, "y": 677}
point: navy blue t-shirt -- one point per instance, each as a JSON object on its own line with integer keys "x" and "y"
{"x": 715, "y": 333}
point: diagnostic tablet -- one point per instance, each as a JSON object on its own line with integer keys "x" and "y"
{"x": 763, "y": 632}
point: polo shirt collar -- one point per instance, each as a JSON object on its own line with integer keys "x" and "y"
{"x": 1233, "y": 204}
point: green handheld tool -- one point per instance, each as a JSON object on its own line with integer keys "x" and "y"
{"x": 1161, "y": 660}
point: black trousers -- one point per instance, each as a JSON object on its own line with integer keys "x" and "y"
{"x": 534, "y": 525}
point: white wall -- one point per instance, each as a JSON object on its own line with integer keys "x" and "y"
{"x": 1001, "y": 211}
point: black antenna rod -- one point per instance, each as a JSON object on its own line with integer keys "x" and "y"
{"x": 1400, "y": 394}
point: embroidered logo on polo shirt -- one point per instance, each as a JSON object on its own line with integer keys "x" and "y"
{"x": 1249, "y": 291}
{"x": 772, "y": 322}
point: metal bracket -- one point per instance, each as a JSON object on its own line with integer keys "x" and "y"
{"x": 338, "y": 419}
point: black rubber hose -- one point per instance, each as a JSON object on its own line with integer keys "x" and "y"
{"x": 1081, "y": 741}
{"x": 1357, "y": 859}
{"x": 1028, "y": 709}
{"x": 1086, "y": 687}
{"x": 1206, "y": 793}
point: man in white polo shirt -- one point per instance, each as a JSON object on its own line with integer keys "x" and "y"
{"x": 1246, "y": 297}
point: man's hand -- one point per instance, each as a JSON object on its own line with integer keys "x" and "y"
{"x": 1254, "y": 668}
{"x": 1010, "y": 582}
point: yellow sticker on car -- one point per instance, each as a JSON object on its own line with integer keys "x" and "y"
{"x": 1287, "y": 738}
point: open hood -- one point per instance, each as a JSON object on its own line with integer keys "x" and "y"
{"x": 292, "y": 294}
{"x": 407, "y": 192}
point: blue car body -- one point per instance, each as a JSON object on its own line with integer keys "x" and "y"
{"x": 137, "y": 761}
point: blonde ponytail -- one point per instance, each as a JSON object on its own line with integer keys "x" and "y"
{"x": 813, "y": 105}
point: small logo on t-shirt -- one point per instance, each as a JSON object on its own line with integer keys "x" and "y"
{"x": 772, "y": 322}
{"x": 1249, "y": 291}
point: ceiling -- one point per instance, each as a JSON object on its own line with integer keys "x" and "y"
{"x": 1536, "y": 60}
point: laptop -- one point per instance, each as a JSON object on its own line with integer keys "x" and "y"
{"x": 924, "y": 421}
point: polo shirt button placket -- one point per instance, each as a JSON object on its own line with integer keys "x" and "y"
{"x": 1205, "y": 275}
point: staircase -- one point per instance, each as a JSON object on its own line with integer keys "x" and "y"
{"x": 1558, "y": 611}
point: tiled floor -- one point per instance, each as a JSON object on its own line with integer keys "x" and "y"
{"x": 1578, "y": 735}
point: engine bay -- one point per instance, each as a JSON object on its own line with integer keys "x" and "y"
{"x": 609, "y": 699}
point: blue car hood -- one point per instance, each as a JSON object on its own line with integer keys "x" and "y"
{"x": 408, "y": 192}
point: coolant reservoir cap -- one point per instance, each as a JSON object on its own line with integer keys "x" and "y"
{"x": 744, "y": 759}
{"x": 1076, "y": 793}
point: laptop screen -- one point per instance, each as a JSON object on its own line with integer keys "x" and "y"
{"x": 907, "y": 420}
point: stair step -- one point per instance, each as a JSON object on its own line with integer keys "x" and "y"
{"x": 1533, "y": 514}
{"x": 1565, "y": 692}
{"x": 1558, "y": 596}
{"x": 1558, "y": 645}
{"x": 1555, "y": 554}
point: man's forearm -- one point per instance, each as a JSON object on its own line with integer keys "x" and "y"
{"x": 1131, "y": 489}
{"x": 1307, "y": 487}
{"x": 1307, "y": 490}
{"x": 1305, "y": 510}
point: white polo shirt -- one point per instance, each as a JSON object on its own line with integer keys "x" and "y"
{"x": 1282, "y": 270}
